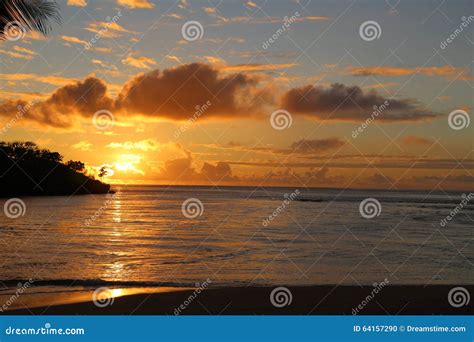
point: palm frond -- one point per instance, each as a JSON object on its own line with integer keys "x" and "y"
{"x": 33, "y": 15}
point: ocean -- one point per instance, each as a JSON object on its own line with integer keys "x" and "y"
{"x": 238, "y": 236}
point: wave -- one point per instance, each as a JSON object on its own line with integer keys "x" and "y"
{"x": 89, "y": 283}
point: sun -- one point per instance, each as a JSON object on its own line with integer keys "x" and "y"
{"x": 128, "y": 163}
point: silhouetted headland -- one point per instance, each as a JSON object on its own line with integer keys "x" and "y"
{"x": 27, "y": 170}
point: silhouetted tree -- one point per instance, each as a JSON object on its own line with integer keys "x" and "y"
{"x": 103, "y": 172}
{"x": 25, "y": 169}
{"x": 76, "y": 165}
{"x": 32, "y": 15}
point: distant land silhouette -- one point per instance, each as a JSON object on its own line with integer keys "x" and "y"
{"x": 27, "y": 170}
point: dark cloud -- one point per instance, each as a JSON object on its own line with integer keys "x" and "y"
{"x": 416, "y": 140}
{"x": 175, "y": 93}
{"x": 82, "y": 98}
{"x": 178, "y": 93}
{"x": 219, "y": 172}
{"x": 316, "y": 145}
{"x": 201, "y": 90}
{"x": 181, "y": 170}
{"x": 350, "y": 103}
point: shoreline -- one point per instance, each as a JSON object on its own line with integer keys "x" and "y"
{"x": 305, "y": 300}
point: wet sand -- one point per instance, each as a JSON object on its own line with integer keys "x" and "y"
{"x": 307, "y": 300}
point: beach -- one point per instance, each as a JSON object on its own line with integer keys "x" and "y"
{"x": 306, "y": 300}
{"x": 139, "y": 247}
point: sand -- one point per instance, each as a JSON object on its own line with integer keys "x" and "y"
{"x": 307, "y": 300}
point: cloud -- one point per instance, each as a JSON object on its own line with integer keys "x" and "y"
{"x": 143, "y": 4}
{"x": 209, "y": 10}
{"x": 350, "y": 103}
{"x": 108, "y": 29}
{"x": 143, "y": 145}
{"x": 140, "y": 62}
{"x": 78, "y": 3}
{"x": 172, "y": 94}
{"x": 251, "y": 4}
{"x": 82, "y": 98}
{"x": 24, "y": 50}
{"x": 415, "y": 140}
{"x": 14, "y": 54}
{"x": 53, "y": 80}
{"x": 390, "y": 71}
{"x": 216, "y": 173}
{"x": 257, "y": 67}
{"x": 175, "y": 93}
{"x": 83, "y": 145}
{"x": 316, "y": 145}
{"x": 182, "y": 170}
{"x": 315, "y": 17}
{"x": 74, "y": 40}
{"x": 178, "y": 93}
{"x": 19, "y": 52}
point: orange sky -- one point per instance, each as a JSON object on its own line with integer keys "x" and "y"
{"x": 246, "y": 102}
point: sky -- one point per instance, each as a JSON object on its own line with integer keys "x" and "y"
{"x": 307, "y": 93}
